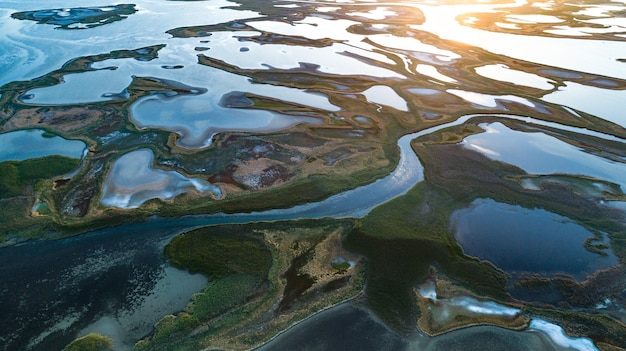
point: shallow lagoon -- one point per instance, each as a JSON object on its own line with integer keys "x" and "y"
{"x": 114, "y": 281}
{"x": 170, "y": 292}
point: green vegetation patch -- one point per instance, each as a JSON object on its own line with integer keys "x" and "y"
{"x": 91, "y": 342}
{"x": 219, "y": 253}
{"x": 13, "y": 226}
{"x": 220, "y": 296}
{"x": 249, "y": 265}
{"x": 237, "y": 261}
{"x": 17, "y": 180}
{"x": 15, "y": 176}
{"x": 422, "y": 213}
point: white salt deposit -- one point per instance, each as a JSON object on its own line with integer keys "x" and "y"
{"x": 557, "y": 335}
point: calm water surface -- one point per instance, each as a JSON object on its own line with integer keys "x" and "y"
{"x": 24, "y": 144}
{"x": 520, "y": 240}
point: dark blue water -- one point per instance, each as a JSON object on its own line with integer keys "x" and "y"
{"x": 521, "y": 240}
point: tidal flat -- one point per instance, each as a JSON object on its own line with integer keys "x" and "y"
{"x": 213, "y": 174}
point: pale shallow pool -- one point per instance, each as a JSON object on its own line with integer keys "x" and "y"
{"x": 504, "y": 73}
{"x": 384, "y": 95}
{"x": 133, "y": 181}
{"x": 198, "y": 118}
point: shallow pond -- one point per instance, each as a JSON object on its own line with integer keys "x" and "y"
{"x": 503, "y": 73}
{"x": 538, "y": 153}
{"x": 198, "y": 118}
{"x": 24, "y": 144}
{"x": 114, "y": 76}
{"x": 481, "y": 100}
{"x": 133, "y": 181}
{"x": 447, "y": 310}
{"x": 520, "y": 240}
{"x": 384, "y": 95}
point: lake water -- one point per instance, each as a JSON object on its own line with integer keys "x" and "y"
{"x": 24, "y": 144}
{"x": 422, "y": 61}
{"x": 540, "y": 154}
{"x": 520, "y": 240}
